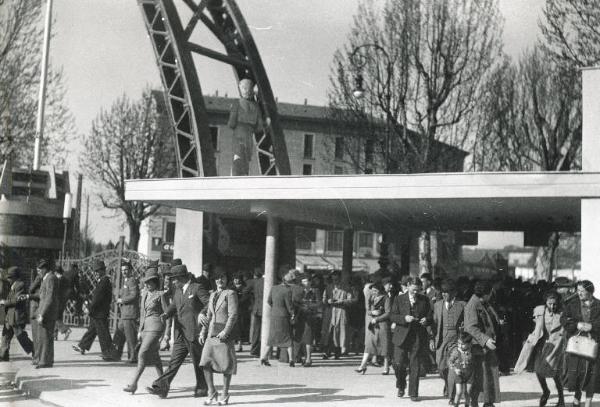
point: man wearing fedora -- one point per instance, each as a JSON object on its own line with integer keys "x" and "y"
{"x": 129, "y": 302}
{"x": 16, "y": 315}
{"x": 34, "y": 302}
{"x": 99, "y": 308}
{"x": 47, "y": 315}
{"x": 189, "y": 300}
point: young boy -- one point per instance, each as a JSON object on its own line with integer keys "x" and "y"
{"x": 460, "y": 364}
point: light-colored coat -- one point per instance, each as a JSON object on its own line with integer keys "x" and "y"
{"x": 225, "y": 311}
{"x": 556, "y": 338}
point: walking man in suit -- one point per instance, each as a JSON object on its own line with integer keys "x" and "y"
{"x": 189, "y": 301}
{"x": 129, "y": 302}
{"x": 410, "y": 315}
{"x": 16, "y": 315}
{"x": 47, "y": 314}
{"x": 448, "y": 317}
{"x": 255, "y": 288}
{"x": 34, "y": 302}
{"x": 99, "y": 308}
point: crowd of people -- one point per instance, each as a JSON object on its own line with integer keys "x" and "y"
{"x": 468, "y": 331}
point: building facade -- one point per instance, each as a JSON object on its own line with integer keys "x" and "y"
{"x": 317, "y": 145}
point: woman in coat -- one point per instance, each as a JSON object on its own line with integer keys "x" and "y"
{"x": 582, "y": 315}
{"x": 218, "y": 354}
{"x": 282, "y": 315}
{"x": 152, "y": 305}
{"x": 377, "y": 329}
{"x": 547, "y": 343}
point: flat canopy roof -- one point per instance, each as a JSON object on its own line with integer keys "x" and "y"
{"x": 527, "y": 201}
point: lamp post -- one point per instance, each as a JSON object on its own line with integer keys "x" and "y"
{"x": 66, "y": 217}
{"x": 359, "y": 61}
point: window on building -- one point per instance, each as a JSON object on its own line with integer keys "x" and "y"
{"x": 365, "y": 240}
{"x": 307, "y": 169}
{"x": 309, "y": 140}
{"x": 335, "y": 241}
{"x": 169, "y": 232}
{"x": 339, "y": 148}
{"x": 338, "y": 170}
{"x": 305, "y": 237}
{"x": 214, "y": 137}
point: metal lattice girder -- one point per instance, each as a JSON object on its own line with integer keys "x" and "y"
{"x": 173, "y": 50}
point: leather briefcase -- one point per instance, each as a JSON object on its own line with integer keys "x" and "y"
{"x": 582, "y": 346}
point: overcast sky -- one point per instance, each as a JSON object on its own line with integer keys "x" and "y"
{"x": 104, "y": 51}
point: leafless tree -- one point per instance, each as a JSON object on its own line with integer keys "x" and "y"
{"x": 131, "y": 140}
{"x": 422, "y": 71}
{"x": 531, "y": 114}
{"x": 20, "y": 56}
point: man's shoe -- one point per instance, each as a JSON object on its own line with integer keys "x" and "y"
{"x": 200, "y": 393}
{"x": 76, "y": 348}
{"x": 110, "y": 359}
{"x": 400, "y": 393}
{"x": 43, "y": 366}
{"x": 151, "y": 390}
{"x": 415, "y": 398}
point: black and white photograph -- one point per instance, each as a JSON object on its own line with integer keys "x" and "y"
{"x": 299, "y": 203}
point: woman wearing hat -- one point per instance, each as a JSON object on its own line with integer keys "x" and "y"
{"x": 151, "y": 327}
{"x": 218, "y": 354}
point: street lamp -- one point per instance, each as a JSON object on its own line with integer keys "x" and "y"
{"x": 359, "y": 61}
{"x": 66, "y": 217}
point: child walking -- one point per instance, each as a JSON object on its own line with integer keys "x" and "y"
{"x": 460, "y": 364}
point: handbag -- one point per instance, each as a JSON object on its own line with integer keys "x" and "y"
{"x": 582, "y": 346}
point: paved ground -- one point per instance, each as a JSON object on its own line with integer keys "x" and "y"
{"x": 77, "y": 379}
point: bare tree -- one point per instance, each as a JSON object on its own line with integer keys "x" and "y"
{"x": 20, "y": 56}
{"x": 571, "y": 32}
{"x": 532, "y": 121}
{"x": 131, "y": 140}
{"x": 422, "y": 63}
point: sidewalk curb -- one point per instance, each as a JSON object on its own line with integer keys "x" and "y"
{"x": 30, "y": 390}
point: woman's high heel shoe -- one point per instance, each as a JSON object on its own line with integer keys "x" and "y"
{"x": 212, "y": 397}
{"x": 264, "y": 362}
{"x": 66, "y": 334}
{"x": 130, "y": 388}
{"x": 362, "y": 370}
{"x": 386, "y": 372}
{"x": 224, "y": 401}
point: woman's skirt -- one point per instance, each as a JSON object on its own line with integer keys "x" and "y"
{"x": 219, "y": 356}
{"x": 281, "y": 332}
{"x": 149, "y": 348}
{"x": 377, "y": 339}
{"x": 582, "y": 374}
{"x": 541, "y": 366}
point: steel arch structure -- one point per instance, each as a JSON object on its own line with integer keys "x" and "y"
{"x": 173, "y": 50}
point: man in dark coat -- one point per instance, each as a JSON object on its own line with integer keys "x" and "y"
{"x": 410, "y": 315}
{"x": 16, "y": 315}
{"x": 127, "y": 327}
{"x": 47, "y": 315}
{"x": 254, "y": 289}
{"x": 99, "y": 309}
{"x": 189, "y": 301}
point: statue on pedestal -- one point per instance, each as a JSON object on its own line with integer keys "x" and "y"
{"x": 245, "y": 119}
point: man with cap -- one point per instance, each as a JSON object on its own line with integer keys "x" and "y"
{"x": 129, "y": 302}
{"x": 47, "y": 315}
{"x": 34, "y": 302}
{"x": 16, "y": 315}
{"x": 99, "y": 308}
{"x": 189, "y": 300}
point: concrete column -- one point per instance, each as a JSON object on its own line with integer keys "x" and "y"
{"x": 270, "y": 270}
{"x": 347, "y": 249}
{"x": 590, "y": 208}
{"x": 188, "y": 239}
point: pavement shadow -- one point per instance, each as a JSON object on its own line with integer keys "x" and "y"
{"x": 54, "y": 383}
{"x": 519, "y": 396}
{"x": 289, "y": 393}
